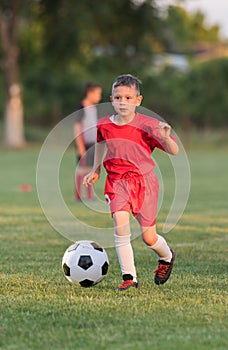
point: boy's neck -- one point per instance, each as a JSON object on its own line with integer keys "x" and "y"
{"x": 121, "y": 119}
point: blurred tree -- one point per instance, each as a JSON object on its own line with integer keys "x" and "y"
{"x": 64, "y": 43}
{"x": 70, "y": 42}
{"x": 183, "y": 31}
{"x": 196, "y": 98}
{"x": 14, "y": 133}
{"x": 82, "y": 31}
{"x": 206, "y": 93}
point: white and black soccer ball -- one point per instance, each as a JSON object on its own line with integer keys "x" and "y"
{"x": 86, "y": 263}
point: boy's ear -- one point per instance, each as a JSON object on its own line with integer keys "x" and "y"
{"x": 139, "y": 100}
{"x": 111, "y": 100}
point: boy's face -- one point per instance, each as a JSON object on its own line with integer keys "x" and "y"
{"x": 125, "y": 99}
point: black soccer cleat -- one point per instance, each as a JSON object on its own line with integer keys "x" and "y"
{"x": 164, "y": 270}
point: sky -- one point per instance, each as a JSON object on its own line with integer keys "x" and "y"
{"x": 216, "y": 11}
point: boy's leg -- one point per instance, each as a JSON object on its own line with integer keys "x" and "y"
{"x": 165, "y": 254}
{"x": 156, "y": 242}
{"x": 124, "y": 249}
{"x": 81, "y": 172}
{"x": 90, "y": 193}
{"x": 78, "y": 186}
{"x": 89, "y": 157}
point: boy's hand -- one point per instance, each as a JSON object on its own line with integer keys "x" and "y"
{"x": 164, "y": 130}
{"x": 90, "y": 179}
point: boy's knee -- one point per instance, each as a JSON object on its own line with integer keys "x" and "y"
{"x": 150, "y": 237}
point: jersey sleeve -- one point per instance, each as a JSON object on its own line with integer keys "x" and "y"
{"x": 100, "y": 136}
{"x": 160, "y": 143}
{"x": 156, "y": 140}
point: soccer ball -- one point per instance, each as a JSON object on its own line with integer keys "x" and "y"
{"x": 85, "y": 262}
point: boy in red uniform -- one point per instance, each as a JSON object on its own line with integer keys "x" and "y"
{"x": 131, "y": 185}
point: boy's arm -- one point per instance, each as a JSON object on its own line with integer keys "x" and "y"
{"x": 170, "y": 145}
{"x": 79, "y": 141}
{"x": 94, "y": 174}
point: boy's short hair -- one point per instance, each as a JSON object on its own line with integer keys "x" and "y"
{"x": 127, "y": 80}
{"x": 90, "y": 86}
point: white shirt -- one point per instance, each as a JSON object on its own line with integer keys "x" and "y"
{"x": 89, "y": 123}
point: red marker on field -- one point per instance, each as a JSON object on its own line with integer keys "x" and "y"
{"x": 26, "y": 188}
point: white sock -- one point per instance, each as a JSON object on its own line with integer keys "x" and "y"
{"x": 125, "y": 255}
{"x": 162, "y": 249}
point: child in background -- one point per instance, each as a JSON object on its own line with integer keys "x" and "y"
{"x": 85, "y": 136}
{"x": 128, "y": 139}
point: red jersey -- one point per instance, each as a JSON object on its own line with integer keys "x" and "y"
{"x": 129, "y": 146}
{"x": 131, "y": 184}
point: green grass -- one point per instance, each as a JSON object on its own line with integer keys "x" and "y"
{"x": 39, "y": 309}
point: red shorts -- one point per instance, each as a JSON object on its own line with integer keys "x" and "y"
{"x": 135, "y": 193}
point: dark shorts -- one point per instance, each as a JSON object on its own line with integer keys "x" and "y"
{"x": 88, "y": 158}
{"x": 136, "y": 194}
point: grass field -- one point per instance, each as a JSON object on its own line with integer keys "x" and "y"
{"x": 39, "y": 309}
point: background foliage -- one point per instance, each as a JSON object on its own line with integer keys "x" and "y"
{"x": 63, "y": 44}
